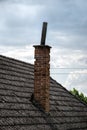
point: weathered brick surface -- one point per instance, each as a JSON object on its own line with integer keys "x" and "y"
{"x": 42, "y": 76}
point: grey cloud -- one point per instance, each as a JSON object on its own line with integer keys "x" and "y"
{"x": 27, "y": 2}
{"x": 68, "y": 17}
{"x": 18, "y": 27}
{"x": 83, "y": 60}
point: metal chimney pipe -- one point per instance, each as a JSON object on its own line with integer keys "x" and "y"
{"x": 44, "y": 31}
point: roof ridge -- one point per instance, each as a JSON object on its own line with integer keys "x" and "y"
{"x": 17, "y": 60}
{"x": 71, "y": 93}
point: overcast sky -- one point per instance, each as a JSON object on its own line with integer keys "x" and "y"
{"x": 20, "y": 29}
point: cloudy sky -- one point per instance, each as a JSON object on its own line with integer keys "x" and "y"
{"x": 20, "y": 29}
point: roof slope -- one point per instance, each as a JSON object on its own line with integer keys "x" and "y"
{"x": 17, "y": 111}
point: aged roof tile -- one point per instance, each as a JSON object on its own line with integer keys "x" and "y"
{"x": 17, "y": 112}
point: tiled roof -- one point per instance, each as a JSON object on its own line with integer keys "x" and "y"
{"x": 17, "y": 112}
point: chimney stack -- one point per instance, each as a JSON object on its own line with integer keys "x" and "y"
{"x": 42, "y": 72}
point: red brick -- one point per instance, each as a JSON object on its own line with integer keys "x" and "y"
{"x": 42, "y": 76}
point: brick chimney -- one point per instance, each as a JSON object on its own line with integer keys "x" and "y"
{"x": 42, "y": 72}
